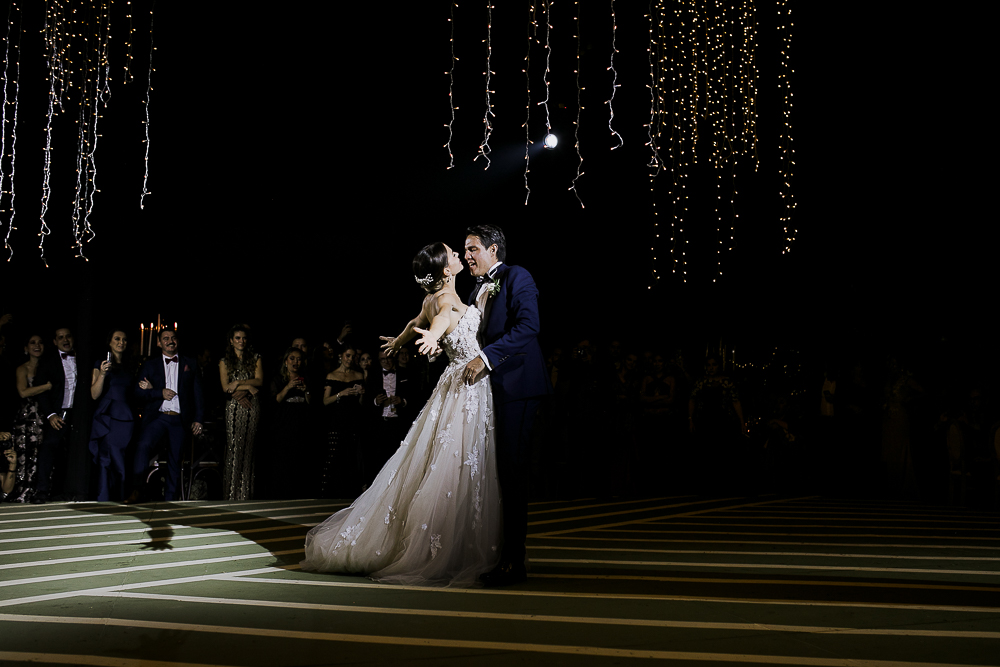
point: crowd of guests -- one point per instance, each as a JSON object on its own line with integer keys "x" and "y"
{"x": 139, "y": 428}
{"x": 322, "y": 420}
{"x": 856, "y": 422}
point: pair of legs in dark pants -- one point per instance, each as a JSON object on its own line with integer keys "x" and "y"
{"x": 161, "y": 424}
{"x": 52, "y": 455}
{"x": 110, "y": 460}
{"x": 513, "y": 426}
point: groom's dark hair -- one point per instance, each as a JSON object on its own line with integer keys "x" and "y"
{"x": 490, "y": 235}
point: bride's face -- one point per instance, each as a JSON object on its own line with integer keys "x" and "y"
{"x": 454, "y": 261}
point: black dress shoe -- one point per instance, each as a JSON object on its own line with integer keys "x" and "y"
{"x": 504, "y": 574}
{"x": 133, "y": 499}
{"x": 39, "y": 499}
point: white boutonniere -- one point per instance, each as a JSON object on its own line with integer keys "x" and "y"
{"x": 494, "y": 287}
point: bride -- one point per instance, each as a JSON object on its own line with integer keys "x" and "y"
{"x": 432, "y": 515}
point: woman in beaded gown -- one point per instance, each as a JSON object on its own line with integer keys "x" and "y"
{"x": 241, "y": 374}
{"x": 432, "y": 515}
{"x": 26, "y": 433}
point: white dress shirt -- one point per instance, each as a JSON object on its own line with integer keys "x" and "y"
{"x": 69, "y": 370}
{"x": 389, "y": 389}
{"x": 481, "y": 299}
{"x": 170, "y": 373}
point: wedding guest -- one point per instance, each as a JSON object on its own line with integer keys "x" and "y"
{"x": 365, "y": 363}
{"x": 715, "y": 419}
{"x": 8, "y": 474}
{"x": 27, "y": 430}
{"x": 111, "y": 429}
{"x": 64, "y": 409}
{"x": 241, "y": 374}
{"x": 342, "y": 396}
{"x": 389, "y": 395}
{"x": 291, "y": 425}
{"x": 301, "y": 345}
{"x": 171, "y": 388}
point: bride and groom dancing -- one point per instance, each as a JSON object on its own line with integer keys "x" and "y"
{"x": 433, "y": 515}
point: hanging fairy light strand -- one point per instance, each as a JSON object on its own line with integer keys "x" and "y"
{"x": 545, "y": 77}
{"x": 149, "y": 91}
{"x": 51, "y": 30}
{"x": 579, "y": 106}
{"x": 614, "y": 75}
{"x": 3, "y": 127}
{"x": 786, "y": 156}
{"x": 484, "y": 148}
{"x": 13, "y": 131}
{"x": 532, "y": 36}
{"x": 451, "y": 85}
{"x": 652, "y": 132}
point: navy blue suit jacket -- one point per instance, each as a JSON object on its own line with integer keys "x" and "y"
{"x": 509, "y": 334}
{"x": 188, "y": 389}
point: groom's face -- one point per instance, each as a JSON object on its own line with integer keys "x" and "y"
{"x": 478, "y": 258}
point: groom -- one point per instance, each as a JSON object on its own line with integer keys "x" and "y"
{"x": 508, "y": 335}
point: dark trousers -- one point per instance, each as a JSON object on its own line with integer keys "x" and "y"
{"x": 110, "y": 461}
{"x": 513, "y": 425}
{"x": 53, "y": 454}
{"x": 161, "y": 424}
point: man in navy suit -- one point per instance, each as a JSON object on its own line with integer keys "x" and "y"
{"x": 171, "y": 387}
{"x": 508, "y": 336}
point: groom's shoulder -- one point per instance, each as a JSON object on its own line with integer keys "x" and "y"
{"x": 519, "y": 273}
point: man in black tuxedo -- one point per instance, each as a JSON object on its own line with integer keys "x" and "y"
{"x": 171, "y": 388}
{"x": 391, "y": 413}
{"x": 64, "y": 410}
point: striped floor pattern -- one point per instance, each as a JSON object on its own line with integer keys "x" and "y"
{"x": 684, "y": 580}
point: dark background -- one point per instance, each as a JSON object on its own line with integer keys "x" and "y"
{"x": 297, "y": 165}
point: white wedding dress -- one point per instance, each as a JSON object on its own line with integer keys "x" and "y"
{"x": 432, "y": 515}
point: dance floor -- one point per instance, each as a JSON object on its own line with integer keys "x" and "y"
{"x": 689, "y": 580}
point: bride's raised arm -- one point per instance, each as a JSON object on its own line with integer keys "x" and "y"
{"x": 445, "y": 304}
{"x": 392, "y": 345}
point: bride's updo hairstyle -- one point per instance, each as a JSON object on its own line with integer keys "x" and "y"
{"x": 429, "y": 266}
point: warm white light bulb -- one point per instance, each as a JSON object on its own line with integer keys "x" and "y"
{"x": 550, "y": 141}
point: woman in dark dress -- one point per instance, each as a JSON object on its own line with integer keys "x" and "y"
{"x": 292, "y": 426}
{"x": 343, "y": 392}
{"x": 111, "y": 430}
{"x": 27, "y": 429}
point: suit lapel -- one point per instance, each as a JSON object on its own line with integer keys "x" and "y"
{"x": 488, "y": 310}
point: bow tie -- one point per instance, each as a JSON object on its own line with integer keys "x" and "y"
{"x": 167, "y": 360}
{"x": 385, "y": 372}
{"x": 66, "y": 355}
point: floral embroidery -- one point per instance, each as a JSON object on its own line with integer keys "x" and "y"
{"x": 350, "y": 533}
{"x": 392, "y": 476}
{"x": 390, "y": 515}
{"x": 473, "y": 460}
{"x": 449, "y": 494}
{"x": 435, "y": 544}
{"x": 434, "y": 467}
{"x": 423, "y": 527}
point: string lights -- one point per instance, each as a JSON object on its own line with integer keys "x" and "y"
{"x": 532, "y": 36}
{"x": 614, "y": 74}
{"x": 149, "y": 90}
{"x": 484, "y": 148}
{"x": 545, "y": 78}
{"x": 786, "y": 156}
{"x": 579, "y": 105}
{"x": 4, "y": 178}
{"x": 451, "y": 85}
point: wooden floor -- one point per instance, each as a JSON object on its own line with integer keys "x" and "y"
{"x": 685, "y": 580}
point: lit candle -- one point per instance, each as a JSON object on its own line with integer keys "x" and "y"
{"x": 142, "y": 336}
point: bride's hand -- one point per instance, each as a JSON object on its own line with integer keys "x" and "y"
{"x": 389, "y": 346}
{"x": 427, "y": 344}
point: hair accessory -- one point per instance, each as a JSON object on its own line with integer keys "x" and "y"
{"x": 426, "y": 280}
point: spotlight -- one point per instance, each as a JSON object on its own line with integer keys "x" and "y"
{"x": 550, "y": 141}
